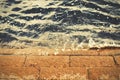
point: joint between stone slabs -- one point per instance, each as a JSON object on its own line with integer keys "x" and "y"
{"x": 38, "y": 68}
{"x": 39, "y": 73}
{"x": 24, "y": 63}
{"x": 69, "y": 61}
{"x": 117, "y": 54}
{"x": 115, "y": 61}
{"x": 88, "y": 73}
{"x": 110, "y": 55}
{"x": 9, "y": 78}
{"x": 84, "y": 55}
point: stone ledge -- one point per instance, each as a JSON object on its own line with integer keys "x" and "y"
{"x": 80, "y": 64}
{"x": 59, "y": 61}
{"x": 76, "y": 73}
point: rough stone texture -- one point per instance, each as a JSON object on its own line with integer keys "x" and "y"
{"x": 7, "y": 51}
{"x": 117, "y": 58}
{"x": 79, "y": 53}
{"x": 76, "y": 65}
{"x": 67, "y": 52}
{"x": 47, "y": 61}
{"x": 27, "y": 51}
{"x": 63, "y": 73}
{"x": 18, "y": 72}
{"x": 91, "y": 61}
{"x": 12, "y": 60}
{"x": 104, "y": 73}
{"x": 110, "y": 52}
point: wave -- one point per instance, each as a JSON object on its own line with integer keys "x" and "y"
{"x": 52, "y": 23}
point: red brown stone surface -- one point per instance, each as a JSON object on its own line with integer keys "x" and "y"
{"x": 19, "y": 72}
{"x": 13, "y": 60}
{"x": 61, "y": 72}
{"x": 117, "y": 58}
{"x": 47, "y": 61}
{"x": 21, "y": 64}
{"x": 104, "y": 73}
{"x": 91, "y": 61}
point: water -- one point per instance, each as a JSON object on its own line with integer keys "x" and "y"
{"x": 57, "y": 23}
